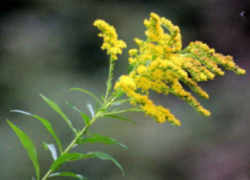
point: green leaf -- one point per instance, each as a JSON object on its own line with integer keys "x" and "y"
{"x": 57, "y": 109}
{"x": 50, "y": 129}
{"x": 104, "y": 156}
{"x": 118, "y": 94}
{"x": 84, "y": 116}
{"x": 68, "y": 174}
{"x": 52, "y": 149}
{"x": 28, "y": 146}
{"x": 46, "y": 124}
{"x": 88, "y": 93}
{"x": 96, "y": 138}
{"x": 119, "y": 117}
{"x": 120, "y": 102}
{"x": 67, "y": 157}
{"x": 91, "y": 110}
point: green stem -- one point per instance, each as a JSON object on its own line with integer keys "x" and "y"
{"x": 47, "y": 175}
{"x": 123, "y": 111}
{"x": 110, "y": 77}
{"x": 99, "y": 113}
{"x": 73, "y": 142}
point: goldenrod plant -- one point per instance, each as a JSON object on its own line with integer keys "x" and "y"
{"x": 158, "y": 64}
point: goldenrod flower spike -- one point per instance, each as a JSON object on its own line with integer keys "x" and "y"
{"x": 155, "y": 32}
{"x": 159, "y": 64}
{"x": 111, "y": 43}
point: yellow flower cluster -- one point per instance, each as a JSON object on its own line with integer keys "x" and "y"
{"x": 111, "y": 43}
{"x": 160, "y": 64}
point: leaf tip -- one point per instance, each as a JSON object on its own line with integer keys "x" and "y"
{"x": 21, "y": 111}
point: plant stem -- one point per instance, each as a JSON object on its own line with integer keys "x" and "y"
{"x": 110, "y": 77}
{"x": 47, "y": 175}
{"x": 99, "y": 114}
{"x": 73, "y": 142}
{"x": 123, "y": 111}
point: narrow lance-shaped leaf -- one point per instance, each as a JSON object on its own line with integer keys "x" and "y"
{"x": 50, "y": 129}
{"x": 68, "y": 174}
{"x": 91, "y": 110}
{"x": 104, "y": 156}
{"x": 96, "y": 138}
{"x": 119, "y": 118}
{"x": 79, "y": 156}
{"x": 28, "y": 146}
{"x": 57, "y": 109}
{"x": 52, "y": 149}
{"x": 46, "y": 124}
{"x": 84, "y": 116}
{"x": 120, "y": 102}
{"x": 66, "y": 158}
{"x": 88, "y": 93}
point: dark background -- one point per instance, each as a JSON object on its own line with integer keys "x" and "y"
{"x": 49, "y": 46}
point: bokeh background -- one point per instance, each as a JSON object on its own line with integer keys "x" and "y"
{"x": 49, "y": 46}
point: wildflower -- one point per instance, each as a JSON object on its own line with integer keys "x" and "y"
{"x": 160, "y": 64}
{"x": 111, "y": 43}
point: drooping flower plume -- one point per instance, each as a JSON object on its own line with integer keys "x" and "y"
{"x": 160, "y": 64}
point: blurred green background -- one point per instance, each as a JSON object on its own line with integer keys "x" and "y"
{"x": 49, "y": 46}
